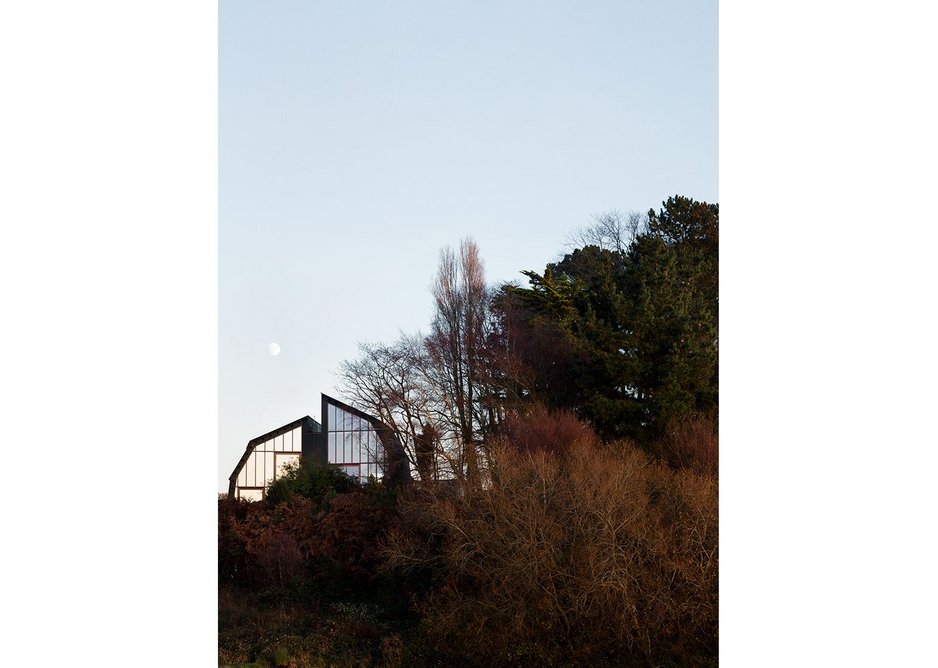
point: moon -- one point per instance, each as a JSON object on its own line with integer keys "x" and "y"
{"x": 274, "y": 349}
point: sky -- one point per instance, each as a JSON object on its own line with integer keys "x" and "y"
{"x": 356, "y": 140}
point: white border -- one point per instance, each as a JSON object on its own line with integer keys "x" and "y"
{"x": 108, "y": 173}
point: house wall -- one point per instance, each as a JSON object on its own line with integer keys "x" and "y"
{"x": 267, "y": 459}
{"x": 354, "y": 441}
{"x": 314, "y": 443}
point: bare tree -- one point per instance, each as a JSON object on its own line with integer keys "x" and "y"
{"x": 612, "y": 231}
{"x": 387, "y": 381}
{"x": 456, "y": 346}
{"x": 437, "y": 393}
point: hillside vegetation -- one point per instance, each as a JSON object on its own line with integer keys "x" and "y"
{"x": 564, "y": 440}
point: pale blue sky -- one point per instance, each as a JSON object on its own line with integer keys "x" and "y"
{"x": 357, "y": 139}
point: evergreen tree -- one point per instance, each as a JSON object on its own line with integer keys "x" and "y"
{"x": 640, "y": 323}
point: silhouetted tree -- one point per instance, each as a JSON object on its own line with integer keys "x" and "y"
{"x": 390, "y": 382}
{"x": 437, "y": 392}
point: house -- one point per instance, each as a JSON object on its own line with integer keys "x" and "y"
{"x": 358, "y": 443}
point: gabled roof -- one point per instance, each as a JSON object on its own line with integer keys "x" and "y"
{"x": 375, "y": 422}
{"x": 306, "y": 421}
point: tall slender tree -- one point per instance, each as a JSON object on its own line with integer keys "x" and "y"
{"x": 456, "y": 346}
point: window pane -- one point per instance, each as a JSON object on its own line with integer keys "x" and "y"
{"x": 297, "y": 440}
{"x": 278, "y": 443}
{"x": 249, "y": 469}
{"x": 251, "y": 494}
{"x": 268, "y": 467}
{"x": 332, "y": 453}
{"x": 350, "y": 447}
{"x": 283, "y": 461}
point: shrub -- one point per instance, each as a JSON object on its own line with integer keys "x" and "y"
{"x": 231, "y": 552}
{"x": 272, "y": 541}
{"x": 537, "y": 429}
{"x": 692, "y": 443}
{"x": 311, "y": 481}
{"x": 601, "y": 557}
{"x": 331, "y": 535}
{"x": 350, "y": 535}
{"x": 392, "y": 651}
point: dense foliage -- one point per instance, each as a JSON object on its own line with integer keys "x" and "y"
{"x": 628, "y": 338}
{"x": 594, "y": 557}
{"x": 318, "y": 483}
{"x": 575, "y": 553}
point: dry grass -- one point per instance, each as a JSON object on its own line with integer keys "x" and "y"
{"x": 252, "y": 633}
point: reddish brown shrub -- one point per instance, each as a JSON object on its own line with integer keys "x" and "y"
{"x": 692, "y": 443}
{"x": 601, "y": 557}
{"x": 350, "y": 534}
{"x": 231, "y": 553}
{"x": 280, "y": 542}
{"x": 539, "y": 430}
{"x": 272, "y": 539}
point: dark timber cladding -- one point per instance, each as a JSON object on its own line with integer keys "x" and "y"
{"x": 358, "y": 443}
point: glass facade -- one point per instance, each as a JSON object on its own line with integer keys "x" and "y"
{"x": 352, "y": 442}
{"x": 266, "y": 461}
{"x": 347, "y": 439}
